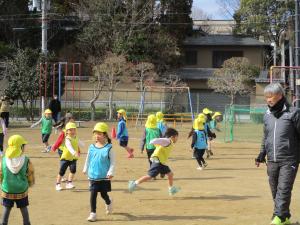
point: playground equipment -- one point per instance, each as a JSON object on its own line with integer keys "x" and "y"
{"x": 53, "y": 79}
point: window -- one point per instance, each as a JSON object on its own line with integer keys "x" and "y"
{"x": 191, "y": 58}
{"x": 220, "y": 56}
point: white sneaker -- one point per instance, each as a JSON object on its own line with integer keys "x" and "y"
{"x": 70, "y": 185}
{"x": 58, "y": 187}
{"x": 109, "y": 208}
{"x": 92, "y": 217}
{"x": 200, "y": 168}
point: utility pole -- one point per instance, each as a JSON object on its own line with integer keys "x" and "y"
{"x": 297, "y": 39}
{"x": 44, "y": 27}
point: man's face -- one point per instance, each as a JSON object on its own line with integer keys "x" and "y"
{"x": 272, "y": 99}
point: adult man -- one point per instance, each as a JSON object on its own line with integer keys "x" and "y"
{"x": 281, "y": 146}
{"x": 55, "y": 107}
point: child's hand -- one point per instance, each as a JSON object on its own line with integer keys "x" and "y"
{"x": 109, "y": 177}
{"x": 77, "y": 154}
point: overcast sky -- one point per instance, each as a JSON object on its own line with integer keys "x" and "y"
{"x": 210, "y": 7}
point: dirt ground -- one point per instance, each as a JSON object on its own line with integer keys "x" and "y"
{"x": 230, "y": 191}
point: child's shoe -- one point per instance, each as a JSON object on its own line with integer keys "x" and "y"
{"x": 204, "y": 164}
{"x": 69, "y": 185}
{"x": 45, "y": 150}
{"x": 109, "y": 208}
{"x": 58, "y": 187}
{"x": 277, "y": 221}
{"x": 199, "y": 168}
{"x": 131, "y": 186}
{"x": 173, "y": 190}
{"x": 92, "y": 217}
{"x": 48, "y": 149}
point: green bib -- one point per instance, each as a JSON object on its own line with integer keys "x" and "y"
{"x": 151, "y": 133}
{"x": 14, "y": 183}
{"x": 46, "y": 125}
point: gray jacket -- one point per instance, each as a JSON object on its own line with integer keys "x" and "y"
{"x": 281, "y": 136}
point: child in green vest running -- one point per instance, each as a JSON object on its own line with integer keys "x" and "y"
{"x": 70, "y": 154}
{"x": 151, "y": 132}
{"x": 46, "y": 128}
{"x": 16, "y": 175}
{"x": 159, "y": 159}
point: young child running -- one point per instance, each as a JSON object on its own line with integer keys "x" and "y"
{"x": 159, "y": 159}
{"x": 3, "y": 132}
{"x": 46, "y": 128}
{"x": 199, "y": 141}
{"x": 161, "y": 124}
{"x": 16, "y": 175}
{"x": 69, "y": 157}
{"x": 216, "y": 119}
{"x": 151, "y": 132}
{"x": 100, "y": 165}
{"x": 122, "y": 133}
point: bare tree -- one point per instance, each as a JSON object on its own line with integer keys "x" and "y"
{"x": 228, "y": 7}
{"x": 173, "y": 82}
{"x": 114, "y": 69}
{"x": 144, "y": 74}
{"x": 234, "y": 77}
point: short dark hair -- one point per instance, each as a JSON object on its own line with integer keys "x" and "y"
{"x": 171, "y": 132}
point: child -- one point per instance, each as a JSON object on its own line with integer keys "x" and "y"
{"x": 151, "y": 132}
{"x": 216, "y": 119}
{"x": 46, "y": 128}
{"x": 199, "y": 142}
{"x": 122, "y": 133}
{"x": 16, "y": 175}
{"x": 100, "y": 165}
{"x": 159, "y": 159}
{"x": 3, "y": 132}
{"x": 211, "y": 135}
{"x": 161, "y": 125}
{"x": 70, "y": 153}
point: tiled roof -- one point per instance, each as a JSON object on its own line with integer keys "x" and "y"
{"x": 223, "y": 40}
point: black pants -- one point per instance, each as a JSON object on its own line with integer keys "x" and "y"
{"x": 5, "y": 116}
{"x": 281, "y": 179}
{"x": 6, "y": 212}
{"x": 1, "y": 141}
{"x": 149, "y": 153}
{"x": 198, "y": 154}
{"x": 93, "y": 199}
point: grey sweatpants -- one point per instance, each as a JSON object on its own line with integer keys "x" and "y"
{"x": 281, "y": 179}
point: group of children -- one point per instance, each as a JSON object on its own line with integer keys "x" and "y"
{"x": 16, "y": 172}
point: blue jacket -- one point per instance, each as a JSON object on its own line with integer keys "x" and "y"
{"x": 122, "y": 133}
{"x": 162, "y": 127}
{"x": 98, "y": 162}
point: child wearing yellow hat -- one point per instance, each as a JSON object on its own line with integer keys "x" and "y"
{"x": 210, "y": 134}
{"x": 16, "y": 175}
{"x": 46, "y": 128}
{"x": 100, "y": 166}
{"x": 159, "y": 158}
{"x": 122, "y": 132}
{"x": 161, "y": 124}
{"x": 151, "y": 132}
{"x": 199, "y": 141}
{"x": 70, "y": 154}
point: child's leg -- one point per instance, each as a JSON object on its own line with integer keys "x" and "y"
{"x": 201, "y": 153}
{"x": 170, "y": 179}
{"x": 1, "y": 141}
{"x": 149, "y": 153}
{"x": 93, "y": 201}
{"x": 5, "y": 215}
{"x": 71, "y": 177}
{"x": 105, "y": 197}
{"x": 62, "y": 170}
{"x": 143, "y": 179}
{"x": 72, "y": 170}
{"x": 25, "y": 215}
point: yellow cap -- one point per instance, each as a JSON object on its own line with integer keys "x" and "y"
{"x": 48, "y": 111}
{"x": 15, "y": 143}
{"x": 101, "y": 127}
{"x": 201, "y": 116}
{"x": 206, "y": 111}
{"x": 70, "y": 125}
{"x": 199, "y": 124}
{"x": 216, "y": 114}
{"x": 151, "y": 121}
{"x": 123, "y": 113}
{"x": 159, "y": 116}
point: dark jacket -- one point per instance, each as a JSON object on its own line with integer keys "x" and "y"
{"x": 55, "y": 106}
{"x": 281, "y": 136}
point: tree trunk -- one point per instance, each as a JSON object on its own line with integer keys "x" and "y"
{"x": 25, "y": 109}
{"x": 92, "y": 102}
{"x": 110, "y": 100}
